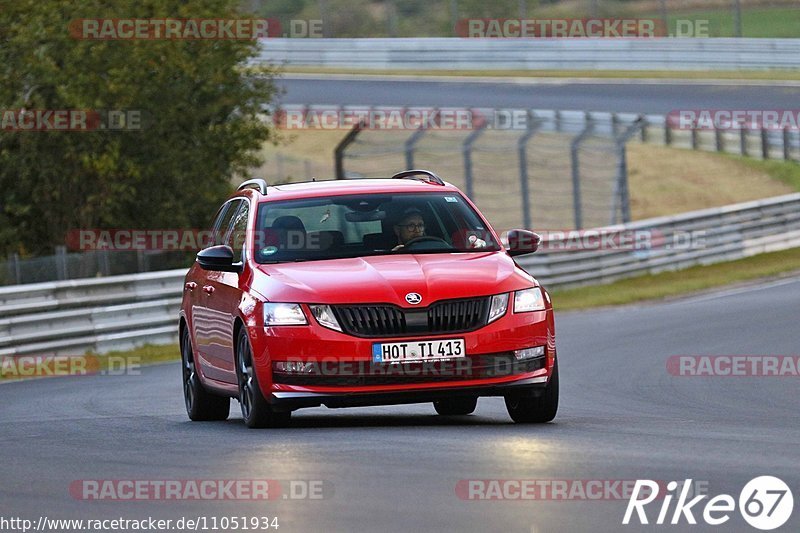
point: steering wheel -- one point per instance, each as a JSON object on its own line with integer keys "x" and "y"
{"x": 425, "y": 238}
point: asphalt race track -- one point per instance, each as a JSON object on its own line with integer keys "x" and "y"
{"x": 623, "y": 416}
{"x": 619, "y": 96}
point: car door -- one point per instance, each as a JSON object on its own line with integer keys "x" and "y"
{"x": 223, "y": 295}
{"x": 209, "y": 324}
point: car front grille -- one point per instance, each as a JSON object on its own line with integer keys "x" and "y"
{"x": 384, "y": 320}
{"x": 366, "y": 373}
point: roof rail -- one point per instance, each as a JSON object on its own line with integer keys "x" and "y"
{"x": 429, "y": 177}
{"x": 253, "y": 183}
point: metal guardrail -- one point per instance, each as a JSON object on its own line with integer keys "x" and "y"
{"x": 115, "y": 313}
{"x": 103, "y": 314}
{"x": 695, "y": 238}
{"x": 535, "y": 54}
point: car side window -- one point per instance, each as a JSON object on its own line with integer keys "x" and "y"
{"x": 223, "y": 222}
{"x": 238, "y": 230}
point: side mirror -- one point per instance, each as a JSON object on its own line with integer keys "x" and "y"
{"x": 522, "y": 241}
{"x": 219, "y": 258}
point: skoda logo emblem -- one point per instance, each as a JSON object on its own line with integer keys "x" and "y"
{"x": 413, "y": 298}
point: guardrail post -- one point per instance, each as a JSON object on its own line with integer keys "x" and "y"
{"x": 743, "y": 141}
{"x": 141, "y": 261}
{"x": 338, "y": 153}
{"x": 719, "y": 140}
{"x": 104, "y": 263}
{"x": 466, "y": 150}
{"x": 576, "y": 172}
{"x": 695, "y": 139}
{"x": 620, "y": 195}
{"x": 61, "y": 262}
{"x": 14, "y": 270}
{"x": 644, "y": 131}
{"x": 557, "y": 121}
{"x": 764, "y": 143}
{"x": 787, "y": 146}
{"x": 522, "y": 150}
{"x": 667, "y": 133}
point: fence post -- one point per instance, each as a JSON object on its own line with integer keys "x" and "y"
{"x": 105, "y": 264}
{"x": 787, "y": 146}
{"x": 667, "y": 133}
{"x": 141, "y": 261}
{"x": 644, "y": 130}
{"x": 576, "y": 173}
{"x": 621, "y": 184}
{"x": 522, "y": 150}
{"x": 695, "y": 139}
{"x": 719, "y": 140}
{"x": 764, "y": 144}
{"x": 466, "y": 150}
{"x": 743, "y": 141}
{"x": 61, "y": 262}
{"x": 14, "y": 269}
{"x": 411, "y": 144}
{"x": 338, "y": 153}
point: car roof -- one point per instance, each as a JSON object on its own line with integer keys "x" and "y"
{"x": 312, "y": 189}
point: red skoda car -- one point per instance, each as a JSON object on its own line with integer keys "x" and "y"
{"x": 363, "y": 292}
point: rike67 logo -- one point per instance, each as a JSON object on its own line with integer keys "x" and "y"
{"x": 765, "y": 503}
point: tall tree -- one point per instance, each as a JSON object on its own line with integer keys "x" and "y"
{"x": 201, "y": 108}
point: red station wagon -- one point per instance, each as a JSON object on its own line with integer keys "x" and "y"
{"x": 363, "y": 292}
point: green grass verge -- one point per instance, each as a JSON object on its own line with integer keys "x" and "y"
{"x": 787, "y": 172}
{"x": 767, "y": 23}
{"x": 112, "y": 363}
{"x": 678, "y": 283}
{"x": 747, "y": 75}
{"x": 149, "y": 354}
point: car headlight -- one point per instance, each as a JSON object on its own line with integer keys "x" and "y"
{"x": 282, "y": 314}
{"x": 529, "y": 300}
{"x": 324, "y": 315}
{"x": 498, "y": 306}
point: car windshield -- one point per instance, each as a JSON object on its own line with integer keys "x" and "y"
{"x": 369, "y": 224}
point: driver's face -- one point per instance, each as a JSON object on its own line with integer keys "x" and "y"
{"x": 409, "y": 228}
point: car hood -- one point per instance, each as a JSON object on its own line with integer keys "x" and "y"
{"x": 388, "y": 278}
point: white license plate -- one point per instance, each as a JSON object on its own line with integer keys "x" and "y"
{"x": 398, "y": 352}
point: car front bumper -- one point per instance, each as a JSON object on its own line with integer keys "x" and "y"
{"x": 293, "y": 400}
{"x": 492, "y": 369}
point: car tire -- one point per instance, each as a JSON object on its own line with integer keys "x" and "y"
{"x": 456, "y": 406}
{"x": 256, "y": 411}
{"x": 201, "y": 405}
{"x": 535, "y": 409}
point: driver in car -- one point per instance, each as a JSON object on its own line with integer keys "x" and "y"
{"x": 410, "y": 226}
